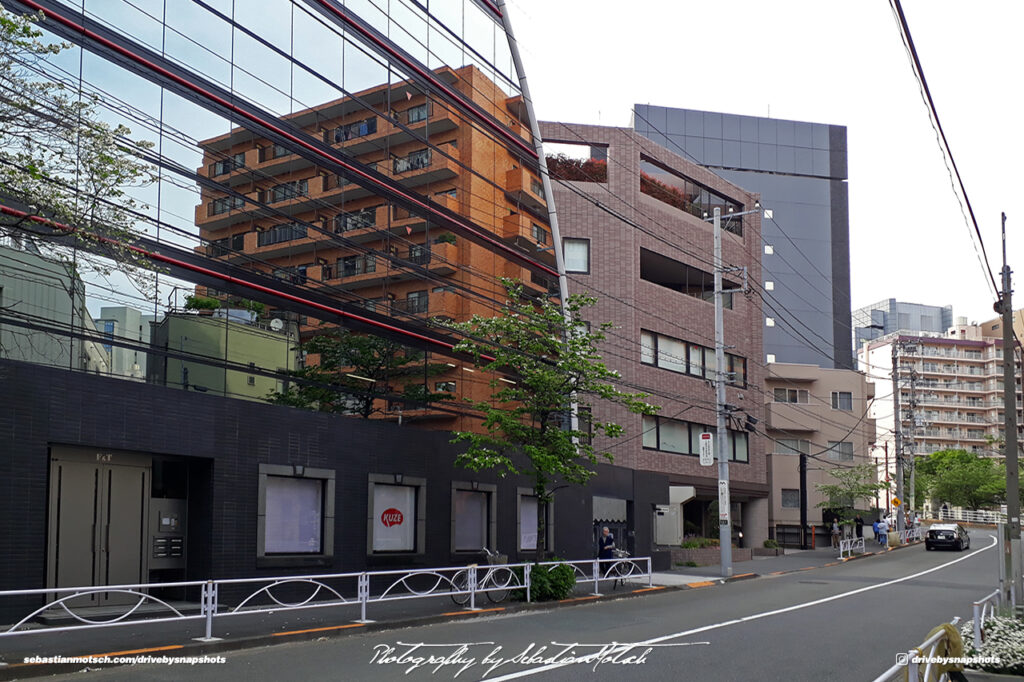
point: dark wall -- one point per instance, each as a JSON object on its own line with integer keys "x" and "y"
{"x": 226, "y": 440}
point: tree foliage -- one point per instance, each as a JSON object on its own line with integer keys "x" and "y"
{"x": 58, "y": 159}
{"x": 962, "y": 479}
{"x": 525, "y": 426}
{"x": 355, "y": 371}
{"x": 849, "y": 486}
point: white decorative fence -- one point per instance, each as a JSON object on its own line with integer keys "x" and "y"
{"x": 283, "y": 593}
{"x": 988, "y": 516}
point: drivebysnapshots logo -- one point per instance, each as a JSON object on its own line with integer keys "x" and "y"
{"x": 968, "y": 661}
{"x": 478, "y": 660}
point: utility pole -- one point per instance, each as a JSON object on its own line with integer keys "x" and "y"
{"x": 724, "y": 506}
{"x": 898, "y": 432}
{"x": 912, "y": 450}
{"x": 1011, "y": 549}
{"x": 803, "y": 501}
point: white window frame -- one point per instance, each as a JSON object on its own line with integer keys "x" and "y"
{"x": 576, "y": 241}
{"x": 837, "y": 400}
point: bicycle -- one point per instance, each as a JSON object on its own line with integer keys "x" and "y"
{"x": 621, "y": 569}
{"x": 497, "y": 582}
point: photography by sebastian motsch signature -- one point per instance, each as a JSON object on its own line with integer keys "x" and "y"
{"x": 487, "y": 657}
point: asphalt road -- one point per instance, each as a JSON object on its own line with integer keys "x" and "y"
{"x": 839, "y": 623}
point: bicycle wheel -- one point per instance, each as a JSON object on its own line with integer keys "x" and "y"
{"x": 460, "y": 587}
{"x": 499, "y": 582}
{"x": 622, "y": 571}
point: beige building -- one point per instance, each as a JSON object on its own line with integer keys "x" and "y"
{"x": 823, "y": 414}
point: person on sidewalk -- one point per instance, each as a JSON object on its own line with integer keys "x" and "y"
{"x": 835, "y": 533}
{"x": 883, "y": 533}
{"x": 607, "y": 544}
{"x": 874, "y": 530}
{"x": 858, "y": 526}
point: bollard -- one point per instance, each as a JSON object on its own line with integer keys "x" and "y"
{"x": 208, "y": 589}
{"x": 526, "y": 578}
{"x": 472, "y": 588}
{"x": 650, "y": 575}
{"x": 978, "y": 610}
{"x": 597, "y": 573}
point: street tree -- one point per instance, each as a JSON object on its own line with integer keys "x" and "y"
{"x": 353, "y": 373}
{"x": 849, "y": 487}
{"x": 61, "y": 161}
{"x": 962, "y": 479}
{"x": 546, "y": 363}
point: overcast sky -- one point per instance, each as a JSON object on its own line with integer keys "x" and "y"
{"x": 826, "y": 62}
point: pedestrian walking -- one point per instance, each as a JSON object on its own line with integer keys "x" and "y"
{"x": 883, "y": 533}
{"x": 874, "y": 530}
{"x": 858, "y": 526}
{"x": 835, "y": 532}
{"x": 607, "y": 544}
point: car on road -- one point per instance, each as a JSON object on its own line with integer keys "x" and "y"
{"x": 947, "y": 535}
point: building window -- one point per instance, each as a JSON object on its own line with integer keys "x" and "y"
{"x": 286, "y": 191}
{"x": 769, "y": 249}
{"x": 769, "y": 321}
{"x": 648, "y": 347}
{"x": 227, "y": 165}
{"x": 577, "y": 255}
{"x": 536, "y": 187}
{"x": 840, "y": 451}
{"x": 689, "y": 358}
{"x": 770, "y": 358}
{"x": 282, "y": 233}
{"x": 417, "y": 160}
{"x": 274, "y": 151}
{"x": 528, "y": 509}
{"x": 444, "y": 387}
{"x": 397, "y": 510}
{"x": 769, "y": 285}
{"x": 346, "y": 222}
{"x": 790, "y": 498}
{"x": 790, "y": 395}
{"x": 418, "y": 113}
{"x": 295, "y": 513}
{"x": 842, "y": 400}
{"x": 683, "y": 438}
{"x": 540, "y": 235}
{"x": 225, "y": 204}
{"x": 792, "y": 446}
{"x": 473, "y": 516}
{"x": 356, "y": 265}
{"x": 351, "y": 131}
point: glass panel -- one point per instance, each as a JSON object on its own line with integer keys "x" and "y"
{"x": 293, "y": 521}
{"x": 696, "y": 360}
{"x": 527, "y": 522}
{"x": 577, "y": 255}
{"x": 671, "y": 354}
{"x": 650, "y": 429}
{"x": 647, "y": 346}
{"x": 394, "y": 518}
{"x": 741, "y": 453}
{"x": 470, "y": 520}
{"x": 674, "y": 436}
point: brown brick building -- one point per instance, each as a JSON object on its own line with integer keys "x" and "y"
{"x": 630, "y": 214}
{"x": 309, "y": 226}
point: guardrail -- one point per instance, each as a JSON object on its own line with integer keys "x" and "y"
{"x": 983, "y": 609}
{"x": 908, "y": 667}
{"x": 909, "y": 534}
{"x": 247, "y": 596}
{"x": 847, "y": 546}
{"x": 972, "y": 515}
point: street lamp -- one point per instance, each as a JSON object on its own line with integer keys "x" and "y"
{"x": 724, "y": 506}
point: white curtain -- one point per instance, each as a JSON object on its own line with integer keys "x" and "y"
{"x": 394, "y": 518}
{"x": 293, "y": 521}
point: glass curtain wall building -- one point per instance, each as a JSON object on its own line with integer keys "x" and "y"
{"x": 343, "y": 164}
{"x": 800, "y": 171}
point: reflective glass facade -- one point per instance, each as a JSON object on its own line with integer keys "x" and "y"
{"x": 799, "y": 169}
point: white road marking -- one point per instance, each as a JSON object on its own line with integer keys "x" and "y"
{"x": 765, "y": 614}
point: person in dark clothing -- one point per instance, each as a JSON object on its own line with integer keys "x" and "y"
{"x": 858, "y": 524}
{"x": 607, "y": 544}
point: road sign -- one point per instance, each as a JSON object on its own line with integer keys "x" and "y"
{"x": 896, "y": 502}
{"x": 707, "y": 449}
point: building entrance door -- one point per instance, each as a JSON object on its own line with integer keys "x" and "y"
{"x": 98, "y": 521}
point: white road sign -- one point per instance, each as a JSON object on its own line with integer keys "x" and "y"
{"x": 707, "y": 449}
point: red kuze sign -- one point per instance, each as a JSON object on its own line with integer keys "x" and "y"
{"x": 391, "y": 517}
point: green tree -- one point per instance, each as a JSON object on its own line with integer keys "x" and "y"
{"x": 525, "y": 428}
{"x": 849, "y": 486}
{"x": 962, "y": 479}
{"x": 354, "y": 372}
{"x": 58, "y": 159}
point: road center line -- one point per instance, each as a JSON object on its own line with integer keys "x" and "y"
{"x": 764, "y": 614}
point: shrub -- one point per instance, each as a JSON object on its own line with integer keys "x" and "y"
{"x": 193, "y": 302}
{"x": 691, "y": 564}
{"x": 771, "y": 544}
{"x": 446, "y": 238}
{"x": 547, "y": 585}
{"x": 698, "y": 543}
{"x": 1004, "y": 639}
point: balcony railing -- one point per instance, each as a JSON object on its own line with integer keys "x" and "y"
{"x": 413, "y": 306}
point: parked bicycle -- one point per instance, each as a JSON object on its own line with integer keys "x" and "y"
{"x": 497, "y": 582}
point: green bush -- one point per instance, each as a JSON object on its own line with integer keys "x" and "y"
{"x": 771, "y": 544}
{"x": 446, "y": 238}
{"x": 698, "y": 543}
{"x": 690, "y": 564}
{"x": 547, "y": 585}
{"x": 193, "y": 302}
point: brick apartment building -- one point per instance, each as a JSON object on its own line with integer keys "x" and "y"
{"x": 308, "y": 226}
{"x": 631, "y": 219}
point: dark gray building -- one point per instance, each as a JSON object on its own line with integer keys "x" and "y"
{"x": 799, "y": 169}
{"x": 890, "y": 315}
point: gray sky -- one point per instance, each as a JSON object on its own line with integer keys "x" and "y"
{"x": 826, "y": 62}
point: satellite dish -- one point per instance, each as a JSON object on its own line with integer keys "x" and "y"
{"x": 276, "y": 324}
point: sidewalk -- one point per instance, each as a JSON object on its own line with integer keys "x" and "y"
{"x": 179, "y": 638}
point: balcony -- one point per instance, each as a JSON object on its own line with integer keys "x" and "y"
{"x": 525, "y": 189}
{"x": 386, "y": 135}
{"x": 521, "y": 231}
{"x": 790, "y": 417}
{"x": 426, "y": 166}
{"x": 439, "y": 259}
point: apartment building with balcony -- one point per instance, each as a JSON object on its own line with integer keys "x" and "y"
{"x": 630, "y": 215}
{"x": 950, "y": 390}
{"x": 821, "y": 414}
{"x": 281, "y": 214}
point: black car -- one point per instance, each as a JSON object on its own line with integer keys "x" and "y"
{"x": 947, "y": 535}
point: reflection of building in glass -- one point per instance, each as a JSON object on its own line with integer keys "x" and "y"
{"x": 799, "y": 169}
{"x": 890, "y": 315}
{"x": 291, "y": 218}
